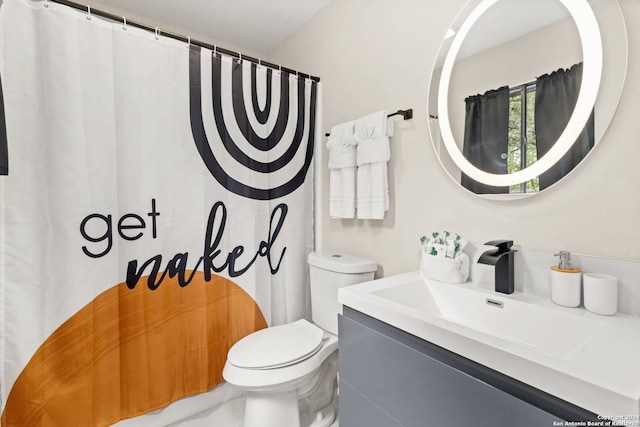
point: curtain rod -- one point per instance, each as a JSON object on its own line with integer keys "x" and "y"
{"x": 406, "y": 115}
{"x": 101, "y": 13}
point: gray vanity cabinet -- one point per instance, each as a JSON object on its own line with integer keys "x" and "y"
{"x": 389, "y": 378}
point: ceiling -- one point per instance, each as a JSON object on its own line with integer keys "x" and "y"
{"x": 256, "y": 25}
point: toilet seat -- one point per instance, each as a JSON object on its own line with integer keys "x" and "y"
{"x": 283, "y": 378}
{"x": 277, "y": 346}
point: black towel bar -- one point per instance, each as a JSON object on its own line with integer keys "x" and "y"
{"x": 406, "y": 115}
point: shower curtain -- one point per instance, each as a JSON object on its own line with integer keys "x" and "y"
{"x": 157, "y": 208}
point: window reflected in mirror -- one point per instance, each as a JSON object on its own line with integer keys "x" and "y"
{"x": 522, "y": 151}
{"x": 510, "y": 128}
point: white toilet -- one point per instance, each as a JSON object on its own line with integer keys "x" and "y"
{"x": 289, "y": 371}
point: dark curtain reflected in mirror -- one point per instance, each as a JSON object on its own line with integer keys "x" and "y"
{"x": 486, "y": 129}
{"x": 486, "y": 133}
{"x": 556, "y": 96}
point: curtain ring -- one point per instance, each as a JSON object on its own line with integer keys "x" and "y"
{"x": 88, "y": 13}
{"x": 157, "y": 33}
{"x": 239, "y": 58}
{"x": 46, "y": 3}
{"x": 188, "y": 42}
{"x": 215, "y": 51}
{"x": 124, "y": 23}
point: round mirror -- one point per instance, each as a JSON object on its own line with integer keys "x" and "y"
{"x": 521, "y": 91}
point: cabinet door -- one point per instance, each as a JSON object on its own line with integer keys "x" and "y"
{"x": 418, "y": 390}
{"x": 358, "y": 411}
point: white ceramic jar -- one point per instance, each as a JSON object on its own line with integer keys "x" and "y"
{"x": 601, "y": 293}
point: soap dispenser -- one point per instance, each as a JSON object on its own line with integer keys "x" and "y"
{"x": 565, "y": 282}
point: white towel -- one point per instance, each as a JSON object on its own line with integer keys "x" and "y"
{"x": 342, "y": 171}
{"x": 372, "y": 135}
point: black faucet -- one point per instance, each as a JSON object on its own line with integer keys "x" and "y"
{"x": 502, "y": 259}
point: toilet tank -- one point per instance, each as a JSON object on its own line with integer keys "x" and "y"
{"x": 328, "y": 272}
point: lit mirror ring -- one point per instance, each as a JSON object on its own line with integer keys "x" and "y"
{"x": 591, "y": 43}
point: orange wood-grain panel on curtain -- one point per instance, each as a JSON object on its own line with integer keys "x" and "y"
{"x": 131, "y": 351}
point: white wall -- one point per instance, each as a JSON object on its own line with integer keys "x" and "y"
{"x": 378, "y": 54}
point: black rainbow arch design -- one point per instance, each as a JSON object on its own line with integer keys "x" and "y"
{"x": 292, "y": 138}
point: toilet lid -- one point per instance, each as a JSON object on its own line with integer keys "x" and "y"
{"x": 277, "y": 346}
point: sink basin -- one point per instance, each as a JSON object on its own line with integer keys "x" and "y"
{"x": 504, "y": 317}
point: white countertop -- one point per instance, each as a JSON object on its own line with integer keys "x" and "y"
{"x": 601, "y": 374}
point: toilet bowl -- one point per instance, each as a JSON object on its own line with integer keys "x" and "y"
{"x": 293, "y": 355}
{"x": 289, "y": 371}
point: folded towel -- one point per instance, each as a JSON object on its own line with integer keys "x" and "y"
{"x": 373, "y": 125}
{"x": 342, "y": 135}
{"x": 372, "y": 135}
{"x": 372, "y": 191}
{"x": 342, "y": 171}
{"x": 342, "y": 156}
{"x": 373, "y": 150}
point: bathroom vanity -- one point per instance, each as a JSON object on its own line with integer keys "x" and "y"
{"x": 417, "y": 353}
